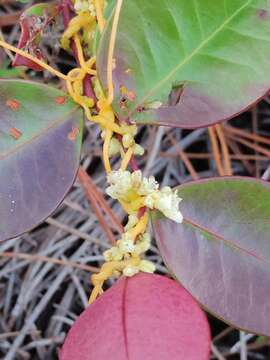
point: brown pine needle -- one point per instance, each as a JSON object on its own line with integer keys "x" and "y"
{"x": 207, "y": 156}
{"x": 106, "y": 208}
{"x": 245, "y": 134}
{"x": 42, "y": 258}
{"x": 225, "y": 151}
{"x": 83, "y": 178}
{"x": 216, "y": 152}
{"x": 184, "y": 158}
{"x": 244, "y": 158}
{"x": 255, "y": 147}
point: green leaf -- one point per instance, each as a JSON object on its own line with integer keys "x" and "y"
{"x": 10, "y": 73}
{"x": 221, "y": 252}
{"x": 204, "y": 61}
{"x": 40, "y": 142}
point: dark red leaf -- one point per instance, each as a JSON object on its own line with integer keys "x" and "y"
{"x": 33, "y": 22}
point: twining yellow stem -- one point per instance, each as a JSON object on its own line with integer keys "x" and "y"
{"x": 32, "y": 58}
{"x": 109, "y": 268}
{"x": 133, "y": 206}
{"x": 97, "y": 290}
{"x": 109, "y": 134}
{"x": 106, "y": 271}
{"x": 105, "y": 118}
{"x": 82, "y": 20}
{"x": 111, "y": 51}
{"x": 106, "y": 147}
{"x": 140, "y": 227}
{"x": 8, "y": 52}
{"x": 99, "y": 10}
{"x": 127, "y": 158}
{"x": 85, "y": 66}
{"x": 108, "y": 125}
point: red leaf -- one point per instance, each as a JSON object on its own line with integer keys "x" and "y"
{"x": 145, "y": 317}
{"x": 33, "y": 22}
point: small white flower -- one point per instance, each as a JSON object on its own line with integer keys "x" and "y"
{"x": 132, "y": 221}
{"x": 147, "y": 266}
{"x": 148, "y": 186}
{"x": 149, "y": 201}
{"x": 129, "y": 129}
{"x": 128, "y": 186}
{"x": 138, "y": 150}
{"x": 168, "y": 203}
{"x": 120, "y": 183}
{"x": 136, "y": 179}
{"x": 128, "y": 140}
{"x": 126, "y": 243}
{"x": 113, "y": 254}
{"x": 143, "y": 244}
{"x": 115, "y": 147}
{"x": 85, "y": 5}
{"x": 130, "y": 271}
{"x": 81, "y": 5}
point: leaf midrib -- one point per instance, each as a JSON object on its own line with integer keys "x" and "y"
{"x": 38, "y": 135}
{"x": 229, "y": 243}
{"x": 192, "y": 54}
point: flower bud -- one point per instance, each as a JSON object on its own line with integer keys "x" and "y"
{"x": 128, "y": 141}
{"x": 130, "y": 271}
{"x": 138, "y": 150}
{"x": 147, "y": 266}
{"x": 115, "y": 147}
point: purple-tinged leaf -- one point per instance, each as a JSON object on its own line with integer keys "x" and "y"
{"x": 221, "y": 252}
{"x": 145, "y": 317}
{"x": 186, "y": 63}
{"x": 40, "y": 142}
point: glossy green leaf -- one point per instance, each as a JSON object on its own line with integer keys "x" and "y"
{"x": 10, "y": 73}
{"x": 40, "y": 142}
{"x": 221, "y": 252}
{"x": 188, "y": 63}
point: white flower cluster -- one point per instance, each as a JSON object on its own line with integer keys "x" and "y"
{"x": 144, "y": 266}
{"x": 127, "y": 141}
{"x": 126, "y": 248}
{"x": 85, "y": 5}
{"x": 129, "y": 187}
